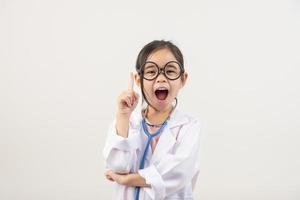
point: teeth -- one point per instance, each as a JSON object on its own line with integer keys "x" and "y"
{"x": 162, "y": 88}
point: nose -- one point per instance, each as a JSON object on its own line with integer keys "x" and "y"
{"x": 161, "y": 77}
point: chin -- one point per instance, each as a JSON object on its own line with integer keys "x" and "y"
{"x": 162, "y": 105}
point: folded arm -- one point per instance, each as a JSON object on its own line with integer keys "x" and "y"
{"x": 131, "y": 179}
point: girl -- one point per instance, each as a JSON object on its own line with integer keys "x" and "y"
{"x": 153, "y": 154}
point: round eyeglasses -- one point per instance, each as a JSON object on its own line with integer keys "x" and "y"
{"x": 172, "y": 70}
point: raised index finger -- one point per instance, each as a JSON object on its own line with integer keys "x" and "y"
{"x": 130, "y": 85}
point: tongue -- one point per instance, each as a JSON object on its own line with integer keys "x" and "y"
{"x": 161, "y": 94}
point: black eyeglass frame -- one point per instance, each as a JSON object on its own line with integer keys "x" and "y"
{"x": 162, "y": 70}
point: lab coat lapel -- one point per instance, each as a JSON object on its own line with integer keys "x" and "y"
{"x": 167, "y": 139}
{"x": 164, "y": 145}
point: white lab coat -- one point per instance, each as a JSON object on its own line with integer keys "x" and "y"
{"x": 173, "y": 167}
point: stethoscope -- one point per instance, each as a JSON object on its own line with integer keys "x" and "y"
{"x": 150, "y": 137}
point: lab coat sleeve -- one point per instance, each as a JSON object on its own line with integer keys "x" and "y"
{"x": 174, "y": 171}
{"x": 118, "y": 151}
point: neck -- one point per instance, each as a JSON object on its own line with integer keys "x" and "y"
{"x": 158, "y": 116}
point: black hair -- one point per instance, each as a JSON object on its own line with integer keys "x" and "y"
{"x": 146, "y": 51}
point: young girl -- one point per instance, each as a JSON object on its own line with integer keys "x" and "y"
{"x": 153, "y": 153}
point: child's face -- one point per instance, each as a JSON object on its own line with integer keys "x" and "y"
{"x": 161, "y": 91}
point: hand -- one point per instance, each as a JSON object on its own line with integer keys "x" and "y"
{"x": 115, "y": 177}
{"x": 128, "y": 99}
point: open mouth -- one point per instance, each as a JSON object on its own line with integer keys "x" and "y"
{"x": 161, "y": 94}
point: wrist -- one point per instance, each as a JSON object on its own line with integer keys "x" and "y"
{"x": 127, "y": 180}
{"x": 124, "y": 116}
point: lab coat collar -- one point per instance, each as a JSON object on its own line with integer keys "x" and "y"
{"x": 177, "y": 118}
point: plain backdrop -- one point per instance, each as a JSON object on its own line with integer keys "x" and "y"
{"x": 64, "y": 62}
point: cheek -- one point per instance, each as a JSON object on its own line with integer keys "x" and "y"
{"x": 173, "y": 93}
{"x": 148, "y": 87}
{"x": 175, "y": 88}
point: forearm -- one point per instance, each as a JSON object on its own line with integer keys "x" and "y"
{"x": 122, "y": 124}
{"x": 136, "y": 179}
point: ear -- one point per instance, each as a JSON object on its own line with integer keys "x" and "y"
{"x": 184, "y": 78}
{"x": 137, "y": 80}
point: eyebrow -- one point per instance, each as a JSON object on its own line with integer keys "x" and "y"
{"x": 150, "y": 65}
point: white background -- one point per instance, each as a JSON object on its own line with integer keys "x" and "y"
{"x": 64, "y": 62}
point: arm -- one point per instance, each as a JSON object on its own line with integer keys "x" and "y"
{"x": 119, "y": 146}
{"x": 122, "y": 123}
{"x": 132, "y": 179}
{"x": 127, "y": 102}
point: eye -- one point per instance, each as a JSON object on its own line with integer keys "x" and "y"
{"x": 150, "y": 72}
{"x": 171, "y": 71}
